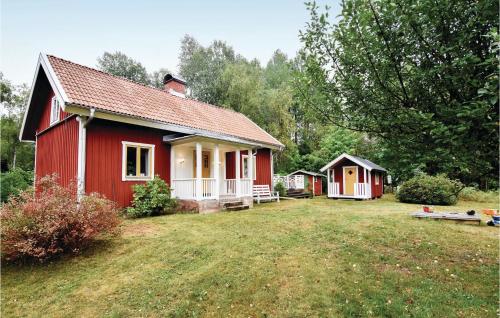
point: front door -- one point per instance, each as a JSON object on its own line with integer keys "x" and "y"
{"x": 205, "y": 164}
{"x": 350, "y": 177}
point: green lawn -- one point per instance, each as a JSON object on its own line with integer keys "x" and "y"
{"x": 291, "y": 259}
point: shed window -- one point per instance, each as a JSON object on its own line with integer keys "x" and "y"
{"x": 55, "y": 110}
{"x": 138, "y": 161}
{"x": 377, "y": 178}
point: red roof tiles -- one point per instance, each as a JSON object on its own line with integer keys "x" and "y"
{"x": 88, "y": 87}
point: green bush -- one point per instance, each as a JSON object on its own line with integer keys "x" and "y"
{"x": 427, "y": 189}
{"x": 14, "y": 181}
{"x": 280, "y": 188}
{"x": 152, "y": 198}
{"x": 473, "y": 194}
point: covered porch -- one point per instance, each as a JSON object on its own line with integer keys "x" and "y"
{"x": 208, "y": 169}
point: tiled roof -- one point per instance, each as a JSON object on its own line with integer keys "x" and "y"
{"x": 91, "y": 88}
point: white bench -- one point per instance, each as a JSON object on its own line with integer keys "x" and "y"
{"x": 263, "y": 193}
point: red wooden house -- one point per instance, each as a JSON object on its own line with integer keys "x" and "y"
{"x": 354, "y": 177}
{"x": 109, "y": 133}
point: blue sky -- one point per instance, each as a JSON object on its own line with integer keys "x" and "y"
{"x": 148, "y": 31}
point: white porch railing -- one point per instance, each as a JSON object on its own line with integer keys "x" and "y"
{"x": 185, "y": 189}
{"x": 362, "y": 190}
{"x": 208, "y": 188}
{"x": 290, "y": 182}
{"x": 333, "y": 189}
{"x": 246, "y": 187}
{"x": 228, "y": 187}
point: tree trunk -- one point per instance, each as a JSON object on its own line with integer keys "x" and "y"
{"x": 14, "y": 159}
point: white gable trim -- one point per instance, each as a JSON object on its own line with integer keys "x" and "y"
{"x": 43, "y": 63}
{"x": 345, "y": 156}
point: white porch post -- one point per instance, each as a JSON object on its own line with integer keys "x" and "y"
{"x": 216, "y": 171}
{"x": 172, "y": 168}
{"x": 272, "y": 170}
{"x": 369, "y": 191}
{"x": 237, "y": 173}
{"x": 328, "y": 182}
{"x": 199, "y": 186}
{"x": 250, "y": 168}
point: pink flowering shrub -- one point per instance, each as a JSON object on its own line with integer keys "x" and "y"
{"x": 49, "y": 222}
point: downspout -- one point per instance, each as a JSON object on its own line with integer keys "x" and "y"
{"x": 82, "y": 148}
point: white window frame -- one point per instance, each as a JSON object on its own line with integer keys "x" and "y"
{"x": 55, "y": 111}
{"x": 254, "y": 168}
{"x": 377, "y": 178}
{"x": 151, "y": 148}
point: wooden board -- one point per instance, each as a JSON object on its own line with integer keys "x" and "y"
{"x": 447, "y": 216}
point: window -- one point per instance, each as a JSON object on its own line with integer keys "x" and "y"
{"x": 55, "y": 110}
{"x": 245, "y": 167}
{"x": 138, "y": 161}
{"x": 377, "y": 178}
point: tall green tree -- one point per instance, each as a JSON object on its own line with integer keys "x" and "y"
{"x": 202, "y": 68}
{"x": 13, "y": 152}
{"x": 418, "y": 75}
{"x": 156, "y": 78}
{"x": 119, "y": 64}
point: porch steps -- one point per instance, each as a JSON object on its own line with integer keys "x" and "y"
{"x": 236, "y": 205}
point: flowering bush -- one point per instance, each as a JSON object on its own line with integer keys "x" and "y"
{"x": 49, "y": 222}
{"x": 152, "y": 198}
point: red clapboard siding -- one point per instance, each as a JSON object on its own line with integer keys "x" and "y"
{"x": 318, "y": 186}
{"x": 104, "y": 158}
{"x": 45, "y": 116}
{"x": 377, "y": 190}
{"x": 262, "y": 166}
{"x": 57, "y": 152}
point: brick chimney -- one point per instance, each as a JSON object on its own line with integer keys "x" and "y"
{"x": 174, "y": 85}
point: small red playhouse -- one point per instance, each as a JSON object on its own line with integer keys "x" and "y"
{"x": 312, "y": 181}
{"x": 354, "y": 177}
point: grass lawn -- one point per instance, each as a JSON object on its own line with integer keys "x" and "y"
{"x": 291, "y": 259}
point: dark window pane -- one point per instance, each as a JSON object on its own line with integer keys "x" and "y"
{"x": 144, "y": 162}
{"x": 131, "y": 161}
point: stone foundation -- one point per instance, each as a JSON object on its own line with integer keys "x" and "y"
{"x": 208, "y": 206}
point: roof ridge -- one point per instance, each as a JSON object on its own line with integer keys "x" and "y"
{"x": 144, "y": 85}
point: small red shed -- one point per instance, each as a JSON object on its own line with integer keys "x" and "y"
{"x": 354, "y": 177}
{"x": 312, "y": 181}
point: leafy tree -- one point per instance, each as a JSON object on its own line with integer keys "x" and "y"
{"x": 420, "y": 76}
{"x": 156, "y": 78}
{"x": 202, "y": 68}
{"x": 335, "y": 142}
{"x": 14, "y": 153}
{"x": 120, "y": 64}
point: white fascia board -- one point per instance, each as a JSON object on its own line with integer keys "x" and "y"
{"x": 54, "y": 81}
{"x": 342, "y": 156}
{"x": 76, "y": 109}
{"x": 43, "y": 63}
